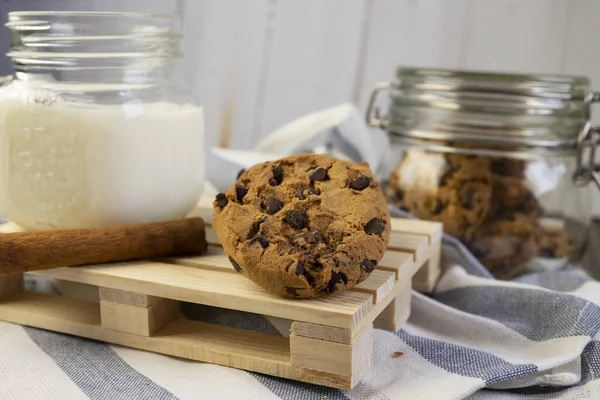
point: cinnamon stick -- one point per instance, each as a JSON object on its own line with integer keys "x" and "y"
{"x": 39, "y": 250}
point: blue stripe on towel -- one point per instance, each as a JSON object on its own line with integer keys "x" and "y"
{"x": 466, "y": 361}
{"x": 96, "y": 369}
{"x": 536, "y": 314}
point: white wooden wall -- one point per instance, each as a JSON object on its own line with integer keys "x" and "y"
{"x": 256, "y": 64}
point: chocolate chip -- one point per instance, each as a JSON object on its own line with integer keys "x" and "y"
{"x": 295, "y": 218}
{"x": 264, "y": 243}
{"x": 240, "y": 173}
{"x": 320, "y": 174}
{"x": 299, "y": 269}
{"x": 293, "y": 291}
{"x": 375, "y": 226}
{"x": 309, "y": 278}
{"x": 254, "y": 229}
{"x": 467, "y": 197}
{"x": 235, "y": 265}
{"x": 368, "y": 265}
{"x": 277, "y": 177}
{"x": 361, "y": 183}
{"x": 399, "y": 195}
{"x": 438, "y": 206}
{"x": 497, "y": 167}
{"x": 344, "y": 278}
{"x": 240, "y": 192}
{"x": 272, "y": 205}
{"x": 502, "y": 213}
{"x": 317, "y": 266}
{"x": 335, "y": 279}
{"x": 547, "y": 253}
{"x": 221, "y": 200}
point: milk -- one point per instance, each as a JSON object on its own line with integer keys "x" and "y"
{"x": 71, "y": 165}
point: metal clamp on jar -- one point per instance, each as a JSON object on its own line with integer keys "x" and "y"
{"x": 500, "y": 159}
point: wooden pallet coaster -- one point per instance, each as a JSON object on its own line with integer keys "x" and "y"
{"x": 136, "y": 304}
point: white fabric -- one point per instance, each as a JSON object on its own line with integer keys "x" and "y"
{"x": 27, "y": 373}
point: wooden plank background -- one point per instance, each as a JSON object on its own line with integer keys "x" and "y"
{"x": 257, "y": 64}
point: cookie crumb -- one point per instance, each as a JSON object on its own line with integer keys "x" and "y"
{"x": 397, "y": 354}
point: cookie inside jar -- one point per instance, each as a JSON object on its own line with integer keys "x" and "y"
{"x": 495, "y": 205}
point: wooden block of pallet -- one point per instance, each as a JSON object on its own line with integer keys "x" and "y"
{"x": 135, "y": 313}
{"x": 137, "y": 305}
{"x": 10, "y": 285}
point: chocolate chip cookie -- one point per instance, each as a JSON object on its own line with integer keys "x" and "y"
{"x": 304, "y": 226}
{"x": 449, "y": 188}
{"x": 505, "y": 243}
{"x": 511, "y": 194}
{"x": 553, "y": 242}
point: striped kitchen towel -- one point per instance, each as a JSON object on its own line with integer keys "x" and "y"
{"x": 536, "y": 337}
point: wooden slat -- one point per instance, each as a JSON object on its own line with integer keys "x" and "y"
{"x": 379, "y": 284}
{"x": 433, "y": 230}
{"x": 322, "y": 332}
{"x": 417, "y": 245}
{"x": 397, "y": 262}
{"x": 214, "y": 259}
{"x": 219, "y": 289}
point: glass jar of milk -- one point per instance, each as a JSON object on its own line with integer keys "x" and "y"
{"x": 93, "y": 130}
